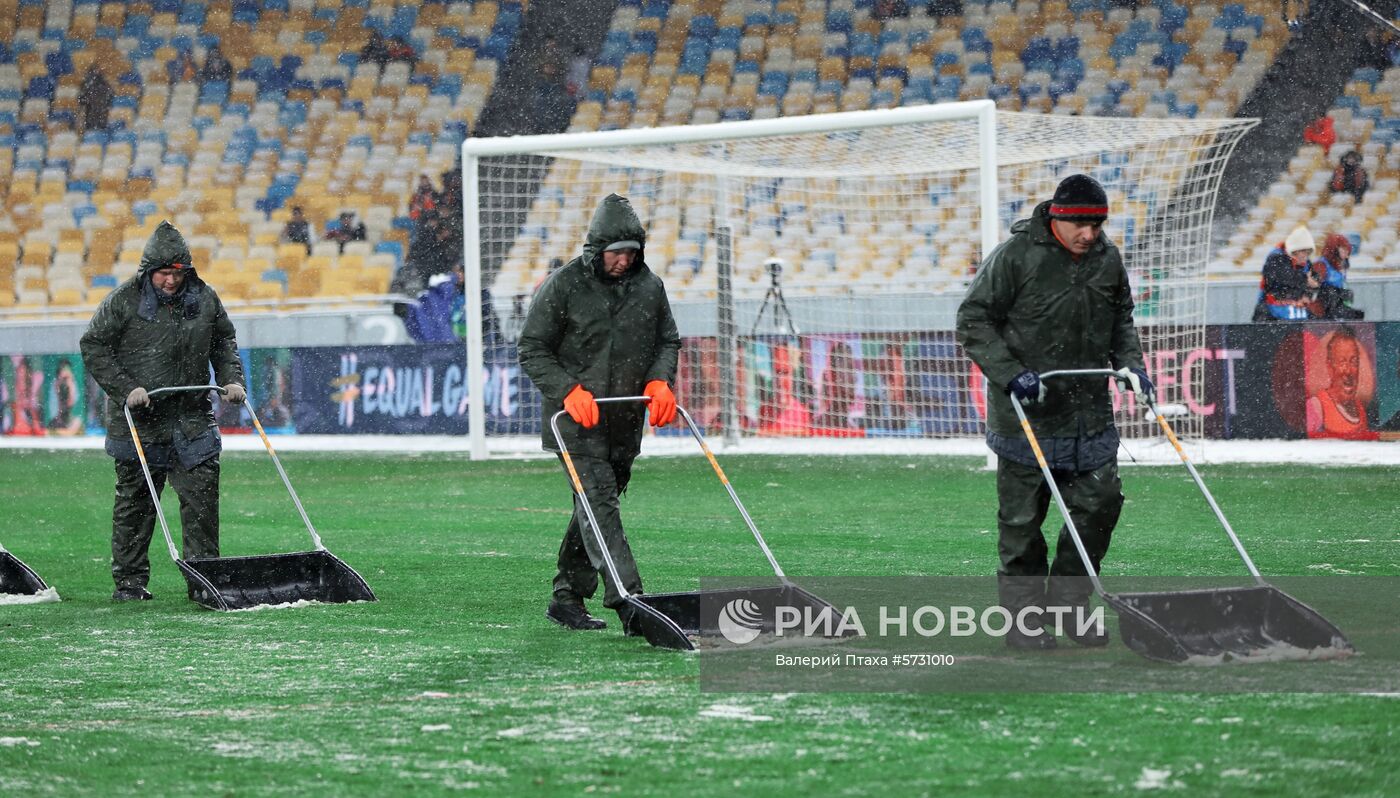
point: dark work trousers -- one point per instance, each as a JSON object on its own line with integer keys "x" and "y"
{"x": 134, "y": 515}
{"x": 1095, "y": 499}
{"x": 580, "y": 557}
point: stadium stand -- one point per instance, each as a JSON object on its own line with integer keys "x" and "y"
{"x": 302, "y": 121}
{"x": 1367, "y": 119}
{"x": 673, "y": 62}
{"x": 306, "y": 120}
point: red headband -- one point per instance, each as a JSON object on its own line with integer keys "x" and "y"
{"x": 1079, "y": 210}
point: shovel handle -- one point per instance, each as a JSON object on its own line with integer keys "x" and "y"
{"x": 1176, "y": 444}
{"x": 709, "y": 455}
{"x": 1059, "y": 500}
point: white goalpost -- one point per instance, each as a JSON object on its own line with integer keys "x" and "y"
{"x": 815, "y": 263}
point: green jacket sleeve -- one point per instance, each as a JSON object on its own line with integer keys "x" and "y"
{"x": 983, "y": 310}
{"x": 539, "y": 342}
{"x": 668, "y": 346}
{"x": 223, "y": 349}
{"x": 99, "y": 349}
{"x": 1126, "y": 349}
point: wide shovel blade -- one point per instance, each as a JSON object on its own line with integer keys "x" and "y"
{"x": 673, "y": 619}
{"x": 1259, "y": 622}
{"x": 18, "y": 579}
{"x": 658, "y": 628}
{"x": 240, "y": 583}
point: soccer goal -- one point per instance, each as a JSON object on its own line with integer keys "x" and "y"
{"x": 815, "y": 263}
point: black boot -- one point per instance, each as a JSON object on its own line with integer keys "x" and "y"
{"x": 573, "y": 616}
{"x": 131, "y": 593}
{"x": 1096, "y": 636}
{"x": 1020, "y": 641}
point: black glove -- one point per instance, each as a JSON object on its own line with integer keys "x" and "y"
{"x": 1027, "y": 388}
{"x": 1137, "y": 381}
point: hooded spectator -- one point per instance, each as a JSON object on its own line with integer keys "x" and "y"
{"x": 1350, "y": 176}
{"x": 1287, "y": 287}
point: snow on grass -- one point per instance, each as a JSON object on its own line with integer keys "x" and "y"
{"x": 290, "y": 605}
{"x": 733, "y": 712}
{"x": 1152, "y": 779}
{"x": 13, "y": 742}
{"x": 45, "y": 596}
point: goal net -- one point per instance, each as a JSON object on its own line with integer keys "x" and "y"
{"x": 815, "y": 264}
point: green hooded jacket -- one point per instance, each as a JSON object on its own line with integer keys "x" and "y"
{"x": 612, "y": 336}
{"x": 1032, "y": 306}
{"x": 135, "y": 340}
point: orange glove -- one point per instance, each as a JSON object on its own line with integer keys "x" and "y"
{"x": 581, "y": 407}
{"x": 663, "y": 403}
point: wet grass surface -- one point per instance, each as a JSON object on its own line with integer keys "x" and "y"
{"x": 454, "y": 681}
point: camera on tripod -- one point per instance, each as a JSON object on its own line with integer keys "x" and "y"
{"x": 774, "y": 267}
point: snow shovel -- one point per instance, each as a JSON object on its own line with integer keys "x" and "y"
{"x": 240, "y": 583}
{"x": 669, "y": 620}
{"x": 1259, "y": 622}
{"x": 19, "y": 584}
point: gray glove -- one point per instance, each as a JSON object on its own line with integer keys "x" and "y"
{"x": 138, "y": 398}
{"x": 234, "y": 393}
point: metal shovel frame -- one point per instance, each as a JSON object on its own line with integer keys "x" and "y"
{"x": 21, "y": 582}
{"x": 240, "y": 583}
{"x": 1175, "y": 626}
{"x": 668, "y": 620}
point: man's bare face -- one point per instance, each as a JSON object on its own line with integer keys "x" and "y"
{"x": 1077, "y": 236}
{"x": 617, "y": 262}
{"x": 1344, "y": 363}
{"x": 168, "y": 281}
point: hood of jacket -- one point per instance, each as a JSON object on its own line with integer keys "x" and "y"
{"x": 165, "y": 248}
{"x": 613, "y": 221}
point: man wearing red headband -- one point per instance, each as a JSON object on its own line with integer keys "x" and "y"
{"x": 1053, "y": 296}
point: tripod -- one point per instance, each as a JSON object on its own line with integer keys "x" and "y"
{"x": 781, "y": 314}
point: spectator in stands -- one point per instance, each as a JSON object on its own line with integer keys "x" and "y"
{"x": 95, "y": 95}
{"x": 1350, "y": 176}
{"x": 1288, "y": 285}
{"x": 298, "y": 230}
{"x": 182, "y": 68}
{"x": 450, "y": 199}
{"x": 439, "y": 314}
{"x": 430, "y": 253}
{"x": 439, "y": 310}
{"x": 1337, "y": 411}
{"x": 1333, "y": 299}
{"x": 576, "y": 79}
{"x": 890, "y": 9}
{"x": 424, "y": 199}
{"x": 376, "y": 50}
{"x": 551, "y": 100}
{"x": 945, "y": 8}
{"x": 348, "y": 229}
{"x": 217, "y": 68}
{"x": 401, "y": 50}
{"x": 1322, "y": 131}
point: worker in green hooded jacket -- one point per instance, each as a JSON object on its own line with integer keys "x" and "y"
{"x": 601, "y": 326}
{"x": 1053, "y": 296}
{"x": 163, "y": 328}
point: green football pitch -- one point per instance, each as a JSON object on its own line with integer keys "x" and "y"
{"x": 454, "y": 681}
